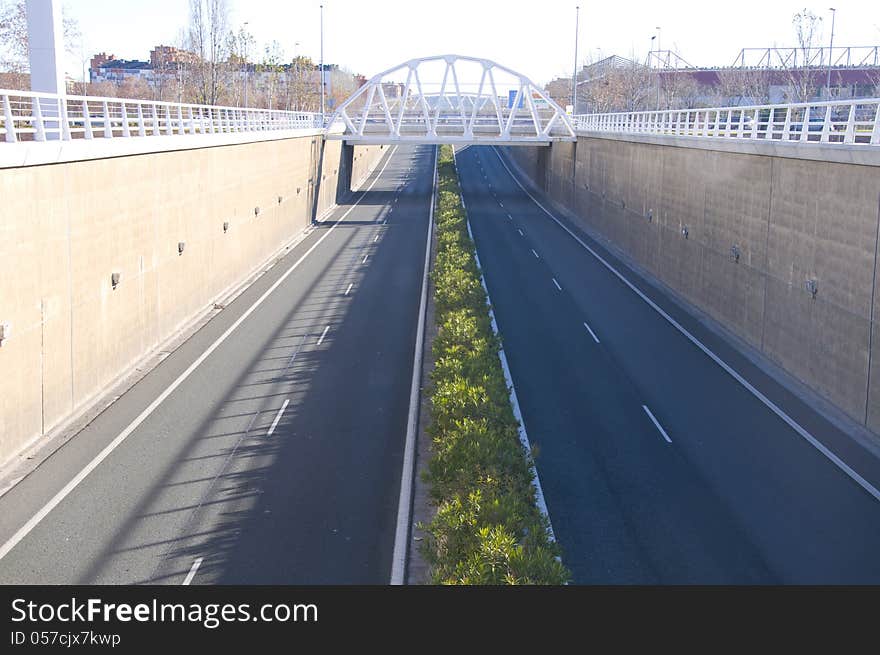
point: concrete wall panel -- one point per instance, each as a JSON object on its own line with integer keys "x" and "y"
{"x": 66, "y": 228}
{"x": 791, "y": 219}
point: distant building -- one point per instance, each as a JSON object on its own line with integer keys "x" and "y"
{"x": 107, "y": 68}
{"x": 165, "y": 56}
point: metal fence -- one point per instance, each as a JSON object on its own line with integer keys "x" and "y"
{"x": 853, "y": 122}
{"x": 28, "y": 116}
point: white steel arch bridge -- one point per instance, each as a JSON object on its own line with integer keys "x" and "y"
{"x": 437, "y": 100}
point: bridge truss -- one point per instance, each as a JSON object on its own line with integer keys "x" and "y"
{"x": 451, "y": 99}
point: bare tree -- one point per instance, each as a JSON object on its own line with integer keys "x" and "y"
{"x": 272, "y": 69}
{"x": 304, "y": 83}
{"x": 208, "y": 38}
{"x": 342, "y": 85}
{"x": 873, "y": 83}
{"x": 808, "y": 30}
{"x": 616, "y": 84}
{"x": 743, "y": 86}
{"x": 164, "y": 74}
{"x": 136, "y": 88}
{"x": 241, "y": 45}
{"x": 683, "y": 90}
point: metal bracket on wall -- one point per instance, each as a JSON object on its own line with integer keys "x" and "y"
{"x": 812, "y": 287}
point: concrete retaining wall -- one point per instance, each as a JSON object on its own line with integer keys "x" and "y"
{"x": 791, "y": 219}
{"x": 66, "y": 228}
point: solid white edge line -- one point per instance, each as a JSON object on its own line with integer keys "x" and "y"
{"x": 23, "y": 531}
{"x": 592, "y": 334}
{"x": 557, "y": 284}
{"x": 508, "y": 378}
{"x": 323, "y": 334}
{"x": 656, "y": 423}
{"x": 802, "y": 432}
{"x": 192, "y": 571}
{"x": 404, "y": 502}
{"x": 277, "y": 418}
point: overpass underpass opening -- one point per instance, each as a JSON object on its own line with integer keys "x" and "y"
{"x": 450, "y": 99}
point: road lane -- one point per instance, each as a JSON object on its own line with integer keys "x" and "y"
{"x": 278, "y": 459}
{"x": 737, "y": 496}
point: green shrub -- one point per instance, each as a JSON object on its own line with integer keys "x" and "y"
{"x": 488, "y": 529}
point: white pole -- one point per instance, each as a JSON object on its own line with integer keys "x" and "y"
{"x": 45, "y": 46}
{"x": 322, "y": 65}
{"x": 45, "y": 54}
{"x": 246, "y": 67}
{"x": 577, "y": 12}
{"x": 658, "y": 69}
{"x": 830, "y": 52}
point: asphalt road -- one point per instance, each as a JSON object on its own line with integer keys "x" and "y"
{"x": 278, "y": 459}
{"x": 657, "y": 465}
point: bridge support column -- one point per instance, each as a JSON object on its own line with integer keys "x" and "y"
{"x": 45, "y": 54}
{"x": 346, "y": 163}
{"x": 541, "y": 167}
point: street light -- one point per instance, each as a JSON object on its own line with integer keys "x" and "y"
{"x": 322, "y": 65}
{"x": 830, "y": 51}
{"x": 651, "y": 52}
{"x": 296, "y": 81}
{"x": 245, "y": 48}
{"x": 658, "y": 69}
{"x": 577, "y": 12}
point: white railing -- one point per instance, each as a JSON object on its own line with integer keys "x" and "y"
{"x": 28, "y": 116}
{"x": 853, "y": 122}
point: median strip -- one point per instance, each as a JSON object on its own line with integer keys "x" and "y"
{"x": 488, "y": 528}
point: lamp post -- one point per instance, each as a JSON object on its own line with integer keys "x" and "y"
{"x": 296, "y": 82}
{"x": 322, "y": 65}
{"x": 650, "y": 53}
{"x": 658, "y": 69}
{"x": 245, "y": 48}
{"x": 830, "y": 51}
{"x": 577, "y": 12}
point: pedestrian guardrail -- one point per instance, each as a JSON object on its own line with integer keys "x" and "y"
{"x": 28, "y": 116}
{"x": 852, "y": 122}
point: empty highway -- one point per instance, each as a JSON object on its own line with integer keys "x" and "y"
{"x": 658, "y": 465}
{"x": 268, "y": 448}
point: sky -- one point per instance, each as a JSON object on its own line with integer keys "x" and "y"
{"x": 535, "y": 38}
